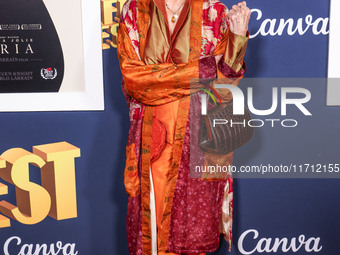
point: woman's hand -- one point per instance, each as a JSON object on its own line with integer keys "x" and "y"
{"x": 238, "y": 18}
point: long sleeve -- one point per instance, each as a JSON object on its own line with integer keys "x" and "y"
{"x": 234, "y": 55}
{"x": 231, "y": 66}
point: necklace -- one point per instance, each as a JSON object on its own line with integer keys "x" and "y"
{"x": 174, "y": 14}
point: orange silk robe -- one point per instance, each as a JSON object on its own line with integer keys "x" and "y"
{"x": 159, "y": 44}
{"x": 157, "y": 75}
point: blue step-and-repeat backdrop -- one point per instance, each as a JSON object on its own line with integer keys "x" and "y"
{"x": 295, "y": 216}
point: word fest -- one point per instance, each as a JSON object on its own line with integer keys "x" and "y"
{"x": 55, "y": 197}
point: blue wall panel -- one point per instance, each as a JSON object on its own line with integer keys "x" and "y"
{"x": 274, "y": 207}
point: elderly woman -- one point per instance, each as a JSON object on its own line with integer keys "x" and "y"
{"x": 162, "y": 44}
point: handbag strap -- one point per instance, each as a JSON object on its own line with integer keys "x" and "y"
{"x": 211, "y": 94}
{"x": 215, "y": 92}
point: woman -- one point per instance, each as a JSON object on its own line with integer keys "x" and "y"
{"x": 162, "y": 44}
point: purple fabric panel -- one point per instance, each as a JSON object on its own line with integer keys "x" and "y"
{"x": 134, "y": 207}
{"x": 227, "y": 71}
{"x": 207, "y": 67}
{"x": 196, "y": 208}
{"x": 126, "y": 95}
{"x": 134, "y": 225}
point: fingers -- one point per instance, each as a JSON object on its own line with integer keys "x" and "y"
{"x": 239, "y": 16}
{"x": 236, "y": 8}
{"x": 232, "y": 13}
{"x": 245, "y": 10}
{"x": 242, "y": 4}
{"x": 241, "y": 8}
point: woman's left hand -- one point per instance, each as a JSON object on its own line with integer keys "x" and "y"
{"x": 238, "y": 18}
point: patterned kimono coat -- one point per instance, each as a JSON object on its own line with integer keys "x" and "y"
{"x": 196, "y": 210}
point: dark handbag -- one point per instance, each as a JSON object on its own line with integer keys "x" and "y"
{"x": 224, "y": 138}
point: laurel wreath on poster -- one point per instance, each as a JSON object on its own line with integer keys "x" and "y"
{"x": 48, "y": 78}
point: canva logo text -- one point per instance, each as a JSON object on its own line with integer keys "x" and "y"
{"x": 14, "y": 243}
{"x": 290, "y": 26}
{"x": 273, "y": 245}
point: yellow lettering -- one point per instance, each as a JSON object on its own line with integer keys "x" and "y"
{"x": 107, "y": 9}
{"x": 110, "y": 24}
{"x": 4, "y": 221}
{"x": 114, "y": 31}
{"x": 58, "y": 177}
{"x": 33, "y": 201}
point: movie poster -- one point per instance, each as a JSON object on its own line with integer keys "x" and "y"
{"x": 41, "y": 46}
{"x": 42, "y": 55}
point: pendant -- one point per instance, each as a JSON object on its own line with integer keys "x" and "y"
{"x": 174, "y": 18}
